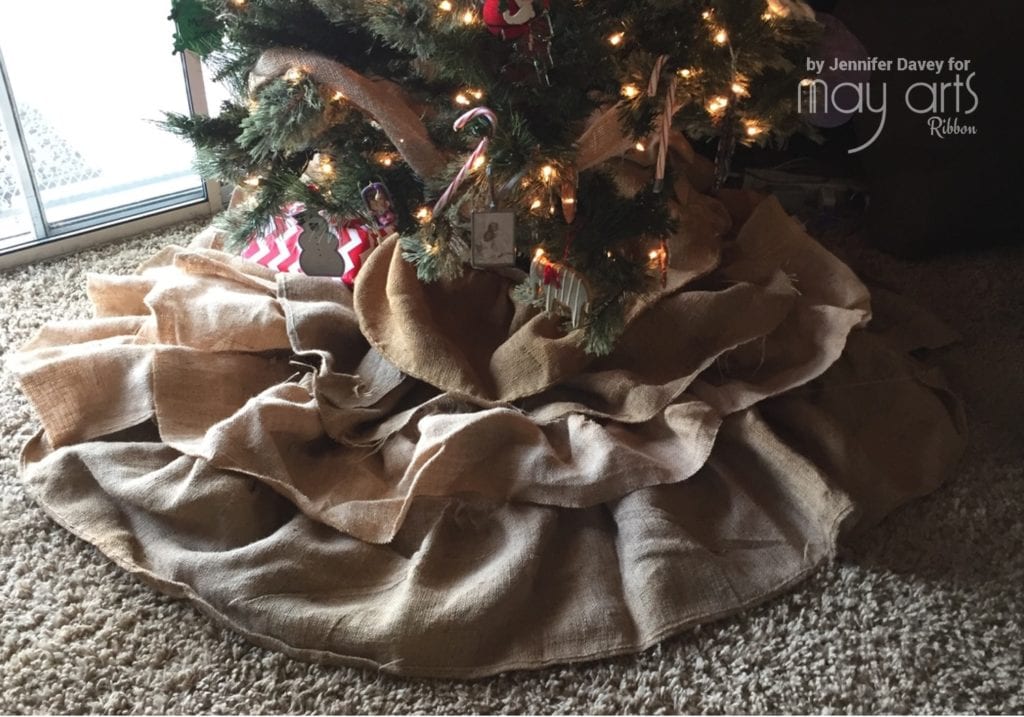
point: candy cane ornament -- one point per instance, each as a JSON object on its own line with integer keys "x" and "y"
{"x": 481, "y": 148}
{"x": 665, "y": 128}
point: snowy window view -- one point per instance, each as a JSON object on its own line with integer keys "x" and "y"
{"x": 14, "y": 220}
{"x": 87, "y": 92}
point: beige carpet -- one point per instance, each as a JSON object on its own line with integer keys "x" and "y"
{"x": 922, "y": 614}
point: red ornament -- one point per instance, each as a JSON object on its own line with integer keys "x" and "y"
{"x": 552, "y": 277}
{"x": 514, "y": 21}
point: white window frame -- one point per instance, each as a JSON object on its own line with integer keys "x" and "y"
{"x": 55, "y": 240}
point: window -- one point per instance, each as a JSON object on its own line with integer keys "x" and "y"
{"x": 14, "y": 218}
{"x": 81, "y": 88}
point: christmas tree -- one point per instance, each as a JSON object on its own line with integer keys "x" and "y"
{"x": 449, "y": 121}
{"x": 428, "y": 474}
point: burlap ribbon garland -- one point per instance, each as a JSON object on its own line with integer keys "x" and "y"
{"x": 401, "y": 120}
{"x": 382, "y": 100}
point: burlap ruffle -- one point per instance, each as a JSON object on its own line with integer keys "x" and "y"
{"x": 432, "y": 481}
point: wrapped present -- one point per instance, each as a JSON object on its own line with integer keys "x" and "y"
{"x": 317, "y": 244}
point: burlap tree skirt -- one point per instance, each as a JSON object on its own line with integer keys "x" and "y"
{"x": 434, "y": 481}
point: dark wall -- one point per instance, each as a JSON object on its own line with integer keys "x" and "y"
{"x": 961, "y": 192}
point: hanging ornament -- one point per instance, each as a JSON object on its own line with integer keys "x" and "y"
{"x": 380, "y": 206}
{"x": 527, "y": 24}
{"x": 197, "y": 28}
{"x": 665, "y": 121}
{"x": 493, "y": 233}
{"x": 563, "y": 289}
{"x": 494, "y": 239}
{"x": 475, "y": 159}
{"x": 511, "y": 19}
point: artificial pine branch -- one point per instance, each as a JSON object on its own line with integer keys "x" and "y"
{"x": 287, "y": 115}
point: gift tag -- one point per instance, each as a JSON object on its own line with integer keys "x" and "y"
{"x": 494, "y": 239}
{"x": 319, "y": 247}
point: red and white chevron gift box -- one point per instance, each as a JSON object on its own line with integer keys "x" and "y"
{"x": 317, "y": 246}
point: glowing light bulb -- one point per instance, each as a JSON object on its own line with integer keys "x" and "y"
{"x": 444, "y": 6}
{"x": 239, "y": 3}
{"x": 721, "y": 37}
{"x": 478, "y": 162}
{"x": 547, "y": 172}
{"x": 535, "y": 204}
{"x": 386, "y": 160}
{"x": 754, "y": 129}
{"x": 717, "y": 104}
{"x": 616, "y": 39}
{"x": 686, "y": 73}
{"x": 539, "y": 254}
{"x": 739, "y": 89}
{"x": 252, "y": 181}
{"x": 468, "y": 17}
{"x": 424, "y": 215}
{"x": 653, "y": 254}
{"x": 806, "y": 82}
{"x": 476, "y": 94}
{"x": 630, "y": 91}
{"x": 461, "y": 99}
{"x": 640, "y": 147}
{"x": 706, "y": 14}
{"x": 338, "y": 96}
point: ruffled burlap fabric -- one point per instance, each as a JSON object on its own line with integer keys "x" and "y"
{"x": 434, "y": 481}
